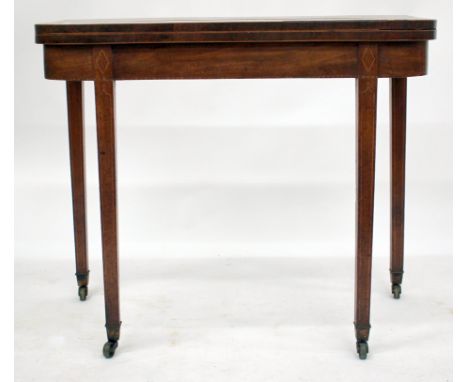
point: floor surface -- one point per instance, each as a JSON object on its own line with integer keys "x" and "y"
{"x": 233, "y": 319}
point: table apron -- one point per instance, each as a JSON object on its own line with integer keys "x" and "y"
{"x": 234, "y": 60}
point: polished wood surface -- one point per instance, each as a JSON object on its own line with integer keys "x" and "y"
{"x": 364, "y": 48}
{"x": 304, "y": 29}
{"x": 214, "y": 61}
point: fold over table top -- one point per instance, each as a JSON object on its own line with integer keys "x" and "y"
{"x": 298, "y": 29}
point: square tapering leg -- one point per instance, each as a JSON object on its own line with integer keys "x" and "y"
{"x": 78, "y": 183}
{"x": 104, "y": 93}
{"x": 397, "y": 159}
{"x": 366, "y": 97}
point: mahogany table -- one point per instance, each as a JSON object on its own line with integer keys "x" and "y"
{"x": 364, "y": 48}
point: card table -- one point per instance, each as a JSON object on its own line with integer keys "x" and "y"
{"x": 364, "y": 48}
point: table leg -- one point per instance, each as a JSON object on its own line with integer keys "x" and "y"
{"x": 397, "y": 153}
{"x": 366, "y": 97}
{"x": 104, "y": 93}
{"x": 77, "y": 166}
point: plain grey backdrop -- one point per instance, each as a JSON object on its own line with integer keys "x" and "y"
{"x": 236, "y": 217}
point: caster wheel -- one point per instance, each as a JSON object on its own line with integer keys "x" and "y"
{"x": 362, "y": 349}
{"x": 396, "y": 290}
{"x": 109, "y": 348}
{"x": 83, "y": 292}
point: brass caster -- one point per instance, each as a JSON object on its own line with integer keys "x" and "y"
{"x": 396, "y": 290}
{"x": 109, "y": 348}
{"x": 83, "y": 292}
{"x": 362, "y": 349}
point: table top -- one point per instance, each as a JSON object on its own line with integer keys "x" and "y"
{"x": 294, "y": 29}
